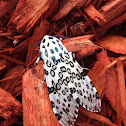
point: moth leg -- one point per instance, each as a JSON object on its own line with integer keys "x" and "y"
{"x": 86, "y": 69}
{"x": 36, "y": 63}
{"x": 37, "y": 60}
{"x": 40, "y": 84}
{"x": 84, "y": 73}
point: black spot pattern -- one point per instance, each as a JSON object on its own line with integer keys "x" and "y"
{"x": 87, "y": 86}
{"x": 75, "y": 84}
{"x": 63, "y": 92}
{"x": 75, "y": 112}
{"x": 97, "y": 97}
{"x": 66, "y": 61}
{"x": 83, "y": 73}
{"x": 67, "y": 79}
{"x": 53, "y": 83}
{"x": 78, "y": 100}
{"x": 71, "y": 90}
{"x": 50, "y": 37}
{"x": 52, "y": 72}
{"x": 66, "y": 89}
{"x": 68, "y": 70}
{"x": 71, "y": 79}
{"x": 54, "y": 67}
{"x": 91, "y": 84}
{"x": 68, "y": 105}
{"x": 63, "y": 104}
{"x": 74, "y": 90}
{"x": 77, "y": 107}
{"x": 60, "y": 81}
{"x": 71, "y": 95}
{"x": 70, "y": 122}
{"x": 55, "y": 62}
{"x": 79, "y": 85}
{"x": 43, "y": 46}
{"x": 62, "y": 59}
{"x": 58, "y": 116}
{"x": 67, "y": 55}
{"x": 65, "y": 82}
{"x": 57, "y": 107}
{"x": 52, "y": 103}
{"x": 50, "y": 89}
{"x": 48, "y": 63}
{"x": 86, "y": 106}
{"x": 73, "y": 75}
{"x": 60, "y": 75}
{"x": 64, "y": 100}
{"x": 80, "y": 92}
{"x": 58, "y": 101}
{"x": 61, "y": 112}
{"x": 58, "y": 87}
{"x": 57, "y": 40}
{"x": 63, "y": 69}
{"x": 43, "y": 40}
{"x": 53, "y": 42}
{"x": 47, "y": 44}
{"x": 46, "y": 72}
{"x": 71, "y": 64}
{"x": 87, "y": 92}
{"x": 83, "y": 90}
{"x": 65, "y": 111}
{"x": 77, "y": 76}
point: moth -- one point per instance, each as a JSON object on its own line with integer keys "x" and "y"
{"x": 67, "y": 83}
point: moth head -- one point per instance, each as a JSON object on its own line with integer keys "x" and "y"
{"x": 51, "y": 48}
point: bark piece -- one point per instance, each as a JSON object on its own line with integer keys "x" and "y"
{"x": 78, "y": 28}
{"x": 19, "y": 52}
{"x": 120, "y": 92}
{"x": 75, "y": 44}
{"x": 66, "y": 6}
{"x": 81, "y": 46}
{"x": 111, "y": 5}
{"x": 105, "y": 80}
{"x": 37, "y": 36}
{"x": 10, "y": 108}
{"x": 3, "y": 65}
{"x": 11, "y": 80}
{"x": 37, "y": 109}
{"x": 27, "y": 13}
{"x": 94, "y": 14}
{"x": 97, "y": 117}
{"x": 114, "y": 43}
{"x": 4, "y": 43}
{"x": 87, "y": 50}
{"x": 116, "y": 8}
{"x": 100, "y": 31}
{"x": 7, "y": 6}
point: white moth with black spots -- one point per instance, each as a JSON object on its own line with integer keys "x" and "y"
{"x": 68, "y": 85}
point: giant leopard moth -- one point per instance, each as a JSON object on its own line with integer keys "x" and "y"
{"x": 67, "y": 83}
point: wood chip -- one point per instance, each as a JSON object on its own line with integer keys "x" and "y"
{"x": 37, "y": 106}
{"x": 94, "y": 14}
{"x": 114, "y": 43}
{"x": 10, "y": 108}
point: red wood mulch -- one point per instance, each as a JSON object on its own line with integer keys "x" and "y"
{"x": 97, "y": 22}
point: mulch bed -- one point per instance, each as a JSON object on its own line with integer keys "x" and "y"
{"x": 23, "y": 23}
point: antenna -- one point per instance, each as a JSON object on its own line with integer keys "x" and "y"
{"x": 32, "y": 52}
{"x": 77, "y": 42}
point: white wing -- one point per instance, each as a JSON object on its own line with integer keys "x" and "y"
{"x": 86, "y": 94}
{"x": 64, "y": 106}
